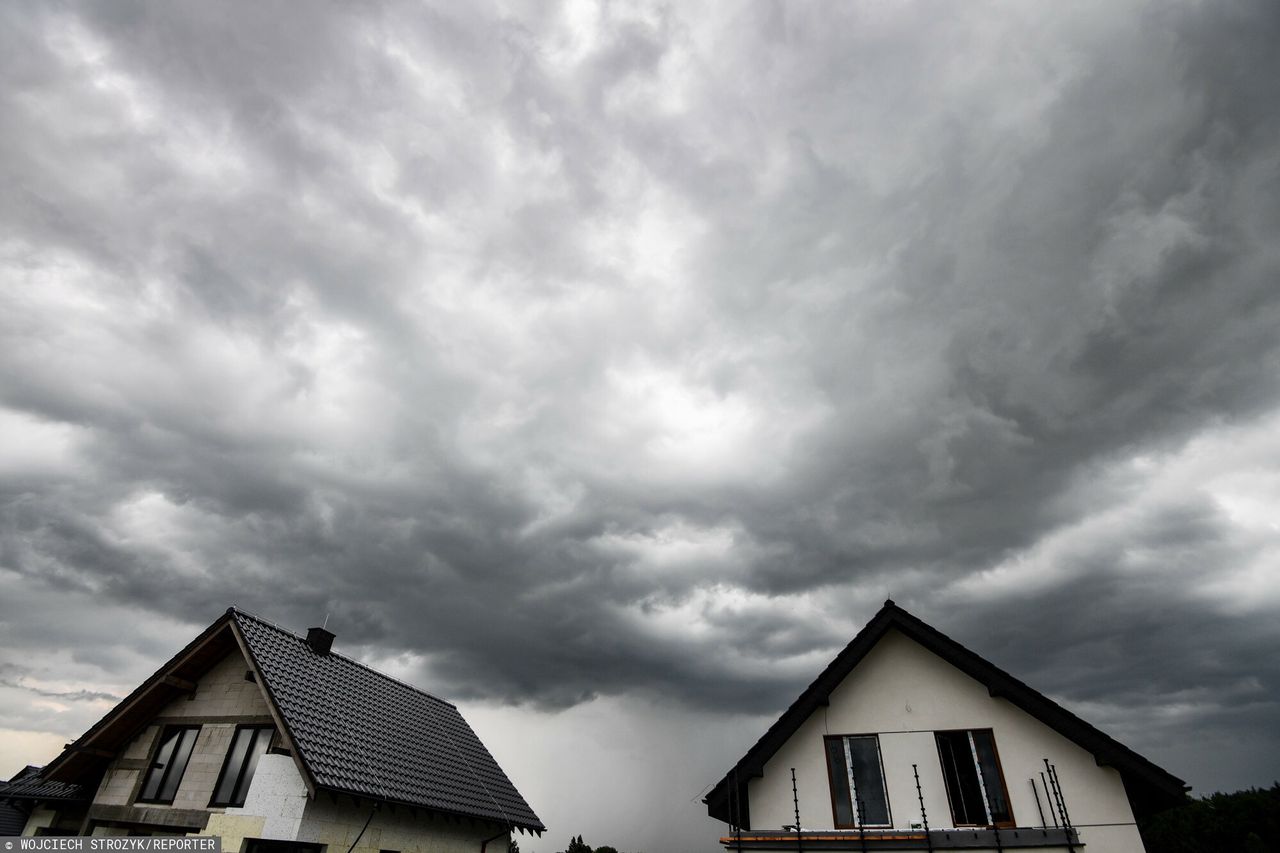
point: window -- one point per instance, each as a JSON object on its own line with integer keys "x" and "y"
{"x": 242, "y": 759}
{"x": 168, "y": 764}
{"x": 858, "y": 795}
{"x": 975, "y": 783}
{"x": 260, "y": 845}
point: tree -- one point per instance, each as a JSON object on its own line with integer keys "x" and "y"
{"x": 1246, "y": 821}
{"x": 577, "y": 845}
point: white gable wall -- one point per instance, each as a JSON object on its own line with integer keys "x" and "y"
{"x": 904, "y": 693}
{"x": 278, "y": 808}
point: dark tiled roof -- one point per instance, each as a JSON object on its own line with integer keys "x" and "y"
{"x": 1150, "y": 788}
{"x": 360, "y": 732}
{"x": 28, "y": 785}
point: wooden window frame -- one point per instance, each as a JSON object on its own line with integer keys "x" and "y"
{"x": 986, "y": 804}
{"x": 853, "y": 806}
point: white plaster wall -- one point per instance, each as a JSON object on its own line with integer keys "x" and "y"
{"x": 339, "y": 822}
{"x": 278, "y": 808}
{"x": 904, "y": 693}
{"x": 272, "y": 809}
{"x": 278, "y": 795}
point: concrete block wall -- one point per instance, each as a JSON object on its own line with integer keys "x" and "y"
{"x": 116, "y": 786}
{"x": 40, "y": 818}
{"x": 222, "y": 693}
{"x": 196, "y": 788}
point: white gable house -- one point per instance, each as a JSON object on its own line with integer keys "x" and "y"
{"x": 909, "y": 741}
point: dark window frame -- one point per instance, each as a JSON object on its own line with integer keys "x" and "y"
{"x": 226, "y": 764}
{"x": 986, "y": 804}
{"x": 168, "y": 768}
{"x": 853, "y": 807}
{"x": 271, "y": 845}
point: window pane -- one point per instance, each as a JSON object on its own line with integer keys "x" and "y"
{"x": 839, "y": 781}
{"x": 259, "y": 746}
{"x": 155, "y": 773}
{"x": 984, "y": 743}
{"x": 868, "y": 779}
{"x": 181, "y": 752}
{"x": 961, "y": 778}
{"x": 242, "y": 759}
{"x": 223, "y": 793}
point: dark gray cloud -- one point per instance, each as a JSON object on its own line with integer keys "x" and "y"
{"x": 562, "y": 354}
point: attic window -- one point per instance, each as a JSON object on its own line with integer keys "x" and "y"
{"x": 242, "y": 759}
{"x": 259, "y": 845}
{"x": 856, "y": 772}
{"x": 169, "y": 763}
{"x": 975, "y": 783}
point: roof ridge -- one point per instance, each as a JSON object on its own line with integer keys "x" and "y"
{"x": 239, "y": 611}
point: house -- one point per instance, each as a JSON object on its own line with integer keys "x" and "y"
{"x": 14, "y": 812}
{"x": 276, "y": 743}
{"x": 910, "y": 741}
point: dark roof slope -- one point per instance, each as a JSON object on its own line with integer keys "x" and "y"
{"x": 28, "y": 784}
{"x": 360, "y": 732}
{"x": 1149, "y": 787}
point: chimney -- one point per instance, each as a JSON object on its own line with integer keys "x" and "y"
{"x": 319, "y": 640}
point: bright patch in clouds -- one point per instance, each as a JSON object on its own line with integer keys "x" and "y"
{"x": 607, "y": 366}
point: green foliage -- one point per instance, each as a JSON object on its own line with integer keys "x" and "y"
{"x": 606, "y": 849}
{"x": 1247, "y": 821}
{"x": 514, "y": 847}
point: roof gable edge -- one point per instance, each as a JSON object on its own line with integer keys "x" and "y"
{"x": 64, "y": 763}
{"x": 1105, "y": 749}
{"x": 277, "y": 714}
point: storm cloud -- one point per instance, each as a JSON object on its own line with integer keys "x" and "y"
{"x": 567, "y": 356}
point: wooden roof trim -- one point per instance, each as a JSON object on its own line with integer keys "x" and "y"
{"x": 282, "y": 725}
{"x": 84, "y": 745}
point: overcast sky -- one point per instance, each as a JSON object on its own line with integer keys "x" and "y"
{"x": 603, "y": 368}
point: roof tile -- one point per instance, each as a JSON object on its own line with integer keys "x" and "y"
{"x": 361, "y": 732}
